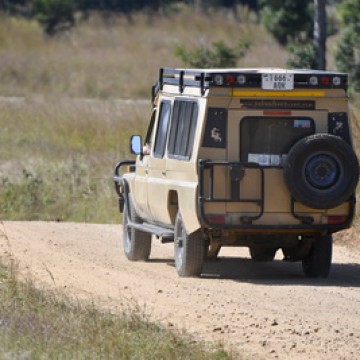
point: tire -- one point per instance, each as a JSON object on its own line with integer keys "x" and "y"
{"x": 189, "y": 250}
{"x": 262, "y": 254}
{"x": 137, "y": 244}
{"x": 321, "y": 171}
{"x": 318, "y": 261}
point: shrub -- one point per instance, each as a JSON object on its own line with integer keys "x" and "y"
{"x": 218, "y": 55}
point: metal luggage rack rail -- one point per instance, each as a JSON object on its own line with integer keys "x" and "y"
{"x": 182, "y": 78}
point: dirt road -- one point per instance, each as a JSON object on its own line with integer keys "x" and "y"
{"x": 264, "y": 311}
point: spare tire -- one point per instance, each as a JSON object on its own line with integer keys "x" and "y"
{"x": 321, "y": 171}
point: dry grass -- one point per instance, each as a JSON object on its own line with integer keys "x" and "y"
{"x": 116, "y": 60}
{"x": 49, "y": 325}
{"x": 57, "y": 157}
{"x": 61, "y": 141}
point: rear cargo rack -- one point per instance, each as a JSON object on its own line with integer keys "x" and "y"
{"x": 236, "y": 171}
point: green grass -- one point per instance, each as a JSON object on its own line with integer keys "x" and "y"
{"x": 57, "y": 158}
{"x": 47, "y": 325}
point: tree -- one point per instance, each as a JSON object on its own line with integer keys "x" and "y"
{"x": 16, "y": 7}
{"x": 55, "y": 15}
{"x": 287, "y": 20}
{"x": 347, "y": 55}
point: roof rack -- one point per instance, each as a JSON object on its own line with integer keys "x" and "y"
{"x": 206, "y": 78}
{"x": 182, "y": 78}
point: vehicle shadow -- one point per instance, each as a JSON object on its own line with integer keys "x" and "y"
{"x": 278, "y": 272}
{"x": 161, "y": 261}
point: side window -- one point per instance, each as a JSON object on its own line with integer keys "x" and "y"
{"x": 147, "y": 142}
{"x": 182, "y": 131}
{"x": 162, "y": 129}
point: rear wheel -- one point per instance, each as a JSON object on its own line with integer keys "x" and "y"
{"x": 189, "y": 250}
{"x": 137, "y": 244}
{"x": 318, "y": 261}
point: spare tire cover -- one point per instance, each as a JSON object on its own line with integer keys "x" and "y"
{"x": 321, "y": 171}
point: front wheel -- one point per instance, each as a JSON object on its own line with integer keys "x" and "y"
{"x": 318, "y": 261}
{"x": 137, "y": 244}
{"x": 189, "y": 250}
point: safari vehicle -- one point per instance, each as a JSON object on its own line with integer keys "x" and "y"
{"x": 261, "y": 158}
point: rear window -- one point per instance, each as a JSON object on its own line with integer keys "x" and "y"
{"x": 267, "y": 140}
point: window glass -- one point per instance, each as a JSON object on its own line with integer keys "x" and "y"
{"x": 162, "y": 130}
{"x": 149, "y": 133}
{"x": 182, "y": 130}
{"x": 267, "y": 140}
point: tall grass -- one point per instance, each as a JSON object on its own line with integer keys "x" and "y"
{"x": 61, "y": 138}
{"x": 115, "y": 59}
{"x": 60, "y": 141}
{"x": 57, "y": 157}
{"x": 47, "y": 325}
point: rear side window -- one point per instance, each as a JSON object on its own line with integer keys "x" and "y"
{"x": 162, "y": 129}
{"x": 182, "y": 131}
{"x": 267, "y": 140}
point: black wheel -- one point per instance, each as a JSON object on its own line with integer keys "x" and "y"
{"x": 262, "y": 254}
{"x": 318, "y": 261}
{"x": 137, "y": 244}
{"x": 189, "y": 250}
{"x": 321, "y": 171}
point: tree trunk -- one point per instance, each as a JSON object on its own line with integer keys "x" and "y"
{"x": 320, "y": 34}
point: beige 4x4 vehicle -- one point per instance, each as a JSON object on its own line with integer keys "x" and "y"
{"x": 261, "y": 158}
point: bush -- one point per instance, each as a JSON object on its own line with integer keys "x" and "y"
{"x": 55, "y": 15}
{"x": 302, "y": 56}
{"x": 218, "y": 55}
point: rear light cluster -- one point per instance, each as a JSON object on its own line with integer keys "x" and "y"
{"x": 325, "y": 80}
{"x": 229, "y": 79}
{"x": 300, "y": 80}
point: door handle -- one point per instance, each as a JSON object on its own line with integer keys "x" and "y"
{"x": 146, "y": 172}
{"x": 163, "y": 173}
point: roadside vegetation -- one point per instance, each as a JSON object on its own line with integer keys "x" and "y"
{"x": 38, "y": 324}
{"x": 64, "y": 129}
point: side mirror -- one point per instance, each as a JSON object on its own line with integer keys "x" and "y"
{"x": 136, "y": 145}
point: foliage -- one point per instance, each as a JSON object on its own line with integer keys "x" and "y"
{"x": 348, "y": 48}
{"x": 287, "y": 20}
{"x": 302, "y": 56}
{"x": 348, "y": 56}
{"x": 55, "y": 15}
{"x": 218, "y": 55}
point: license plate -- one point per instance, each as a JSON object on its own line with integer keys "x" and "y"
{"x": 277, "y": 81}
